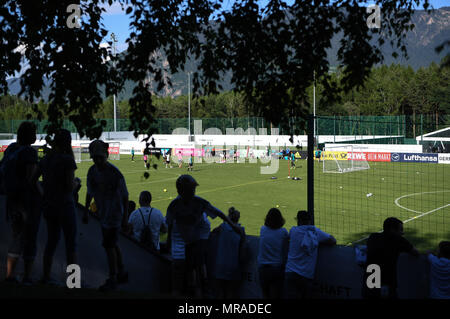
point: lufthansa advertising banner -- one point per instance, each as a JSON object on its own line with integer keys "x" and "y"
{"x": 414, "y": 158}
{"x": 444, "y": 158}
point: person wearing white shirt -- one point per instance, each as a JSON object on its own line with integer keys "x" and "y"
{"x": 147, "y": 216}
{"x": 304, "y": 241}
{"x": 272, "y": 254}
{"x": 440, "y": 272}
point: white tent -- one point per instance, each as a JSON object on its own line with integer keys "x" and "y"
{"x": 436, "y": 142}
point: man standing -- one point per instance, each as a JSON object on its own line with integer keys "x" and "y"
{"x": 186, "y": 212}
{"x": 302, "y": 256}
{"x": 107, "y": 186}
{"x": 383, "y": 250}
{"x": 23, "y": 202}
{"x": 150, "y": 217}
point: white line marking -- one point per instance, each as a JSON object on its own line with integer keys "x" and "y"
{"x": 415, "y": 194}
{"x": 411, "y": 210}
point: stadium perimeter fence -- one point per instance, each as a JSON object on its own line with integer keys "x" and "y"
{"x": 407, "y": 126}
{"x": 361, "y": 180}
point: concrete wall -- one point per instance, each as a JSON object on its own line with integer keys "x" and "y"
{"x": 338, "y": 276}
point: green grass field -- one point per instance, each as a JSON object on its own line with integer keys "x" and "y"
{"x": 342, "y": 207}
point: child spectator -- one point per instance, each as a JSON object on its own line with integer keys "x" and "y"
{"x": 227, "y": 271}
{"x": 187, "y": 211}
{"x": 304, "y": 241}
{"x": 23, "y": 203}
{"x": 272, "y": 254}
{"x": 440, "y": 272}
{"x": 147, "y": 216}
{"x": 58, "y": 177}
{"x": 107, "y": 186}
{"x": 383, "y": 249}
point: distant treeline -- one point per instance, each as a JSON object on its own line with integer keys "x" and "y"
{"x": 390, "y": 90}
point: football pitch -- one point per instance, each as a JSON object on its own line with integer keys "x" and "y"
{"x": 349, "y": 206}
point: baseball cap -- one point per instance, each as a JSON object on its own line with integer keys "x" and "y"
{"x": 186, "y": 182}
{"x": 98, "y": 148}
{"x": 62, "y": 137}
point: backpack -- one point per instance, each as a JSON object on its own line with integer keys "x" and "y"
{"x": 146, "y": 234}
{"x": 10, "y": 184}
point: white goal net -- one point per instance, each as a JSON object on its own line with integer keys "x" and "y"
{"x": 81, "y": 152}
{"x": 343, "y": 159}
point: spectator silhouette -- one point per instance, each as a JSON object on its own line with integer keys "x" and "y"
{"x": 147, "y": 216}
{"x": 177, "y": 250}
{"x": 23, "y": 202}
{"x": 131, "y": 208}
{"x": 272, "y": 254}
{"x": 383, "y": 249}
{"x": 304, "y": 241}
{"x": 205, "y": 231}
{"x": 440, "y": 272}
{"x": 227, "y": 270}
{"x": 107, "y": 186}
{"x": 76, "y": 189}
{"x": 59, "y": 185}
{"x": 187, "y": 211}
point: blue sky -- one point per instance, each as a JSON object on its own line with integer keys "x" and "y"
{"x": 116, "y": 21}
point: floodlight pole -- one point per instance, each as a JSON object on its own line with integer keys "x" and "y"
{"x": 189, "y": 105}
{"x": 114, "y": 40}
{"x": 310, "y": 167}
{"x": 314, "y": 103}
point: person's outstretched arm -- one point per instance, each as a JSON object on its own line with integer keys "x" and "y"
{"x": 86, "y": 210}
{"x": 217, "y": 212}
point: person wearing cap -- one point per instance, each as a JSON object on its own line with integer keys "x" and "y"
{"x": 302, "y": 255}
{"x": 58, "y": 180}
{"x": 186, "y": 211}
{"x": 106, "y": 184}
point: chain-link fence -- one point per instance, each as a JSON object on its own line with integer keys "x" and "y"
{"x": 162, "y": 125}
{"x": 369, "y": 168}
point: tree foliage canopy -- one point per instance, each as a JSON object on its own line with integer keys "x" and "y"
{"x": 272, "y": 51}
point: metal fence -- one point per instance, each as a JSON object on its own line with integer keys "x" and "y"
{"x": 408, "y": 127}
{"x": 360, "y": 182}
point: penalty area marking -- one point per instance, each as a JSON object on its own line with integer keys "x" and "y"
{"x": 421, "y": 214}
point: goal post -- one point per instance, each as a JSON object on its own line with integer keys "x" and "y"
{"x": 81, "y": 152}
{"x": 343, "y": 159}
{"x": 114, "y": 151}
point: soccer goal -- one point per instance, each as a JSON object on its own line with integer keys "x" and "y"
{"x": 343, "y": 159}
{"x": 81, "y": 152}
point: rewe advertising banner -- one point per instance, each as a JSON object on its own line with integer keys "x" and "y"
{"x": 369, "y": 156}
